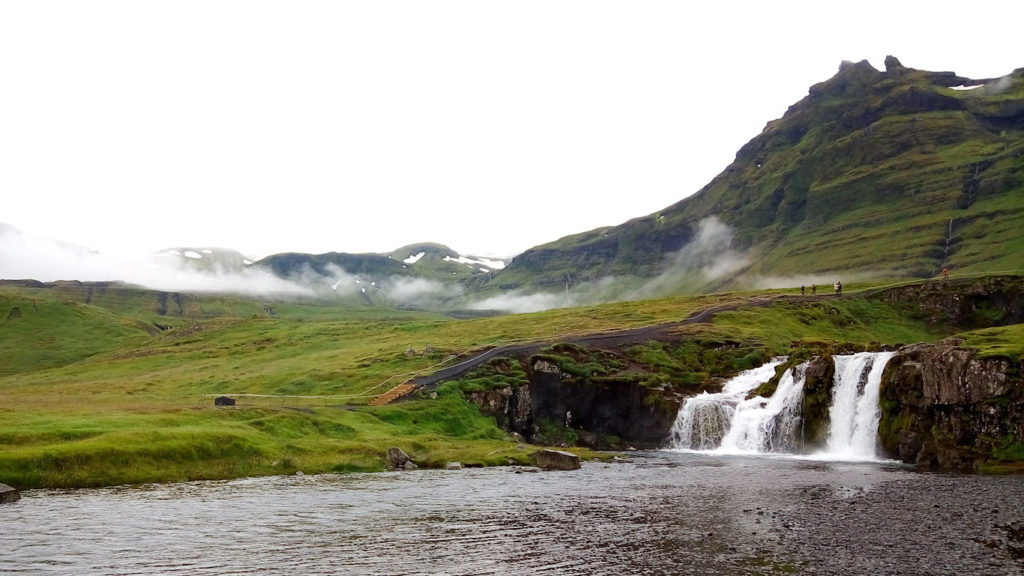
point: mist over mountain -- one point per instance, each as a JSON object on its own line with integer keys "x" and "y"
{"x": 422, "y": 276}
{"x": 897, "y": 173}
{"x": 23, "y": 256}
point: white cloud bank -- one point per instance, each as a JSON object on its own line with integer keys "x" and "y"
{"x": 707, "y": 258}
{"x": 29, "y": 257}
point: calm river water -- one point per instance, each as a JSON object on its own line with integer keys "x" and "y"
{"x": 657, "y": 513}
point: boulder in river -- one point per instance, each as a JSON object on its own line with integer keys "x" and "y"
{"x": 556, "y": 460}
{"x": 8, "y": 494}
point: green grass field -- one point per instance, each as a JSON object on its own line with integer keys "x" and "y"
{"x": 95, "y": 394}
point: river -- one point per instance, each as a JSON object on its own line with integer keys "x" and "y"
{"x": 653, "y": 513}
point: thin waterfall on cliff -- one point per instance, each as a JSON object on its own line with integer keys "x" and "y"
{"x": 854, "y": 414}
{"x": 730, "y": 423}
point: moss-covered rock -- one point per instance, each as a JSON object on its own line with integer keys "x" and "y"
{"x": 819, "y": 379}
{"x": 945, "y": 407}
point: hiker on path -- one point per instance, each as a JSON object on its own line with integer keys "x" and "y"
{"x": 802, "y": 291}
{"x": 814, "y": 289}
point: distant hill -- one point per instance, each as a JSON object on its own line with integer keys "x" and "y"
{"x": 424, "y": 275}
{"x": 218, "y": 260}
{"x": 897, "y": 173}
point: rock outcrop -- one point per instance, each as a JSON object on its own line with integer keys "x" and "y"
{"x": 600, "y": 415}
{"x": 965, "y": 304}
{"x": 8, "y": 494}
{"x": 556, "y": 460}
{"x": 397, "y": 459}
{"x": 511, "y": 407}
{"x": 606, "y": 409}
{"x": 944, "y": 407}
{"x": 819, "y": 379}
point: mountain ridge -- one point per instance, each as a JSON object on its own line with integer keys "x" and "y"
{"x": 866, "y": 155}
{"x": 896, "y": 173}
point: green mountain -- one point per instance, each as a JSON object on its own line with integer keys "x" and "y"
{"x": 894, "y": 174}
{"x": 874, "y": 174}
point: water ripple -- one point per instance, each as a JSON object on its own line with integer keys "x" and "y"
{"x": 660, "y": 514}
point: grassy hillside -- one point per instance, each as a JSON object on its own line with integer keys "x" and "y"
{"x": 102, "y": 397}
{"x": 883, "y": 174}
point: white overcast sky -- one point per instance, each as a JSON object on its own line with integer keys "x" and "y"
{"x": 363, "y": 126}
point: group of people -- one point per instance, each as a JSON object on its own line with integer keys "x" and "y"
{"x": 838, "y": 286}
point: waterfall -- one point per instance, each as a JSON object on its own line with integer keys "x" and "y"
{"x": 728, "y": 422}
{"x": 854, "y": 414}
{"x": 704, "y": 420}
{"x": 949, "y": 238}
{"x": 767, "y": 425}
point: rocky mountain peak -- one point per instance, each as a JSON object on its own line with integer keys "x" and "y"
{"x": 892, "y": 64}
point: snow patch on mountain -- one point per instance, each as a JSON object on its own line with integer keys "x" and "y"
{"x": 485, "y": 262}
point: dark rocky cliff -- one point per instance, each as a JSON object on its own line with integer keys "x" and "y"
{"x": 625, "y": 393}
{"x": 553, "y": 407}
{"x": 945, "y": 407}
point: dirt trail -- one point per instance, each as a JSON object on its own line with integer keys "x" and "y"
{"x": 665, "y": 332}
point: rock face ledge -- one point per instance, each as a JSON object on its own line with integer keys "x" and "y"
{"x": 944, "y": 407}
{"x": 8, "y": 494}
{"x": 626, "y": 412}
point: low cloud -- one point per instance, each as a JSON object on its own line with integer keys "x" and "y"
{"x": 1000, "y": 85}
{"x": 418, "y": 290}
{"x": 519, "y": 303}
{"x": 707, "y": 258}
{"x": 334, "y": 280}
{"x": 28, "y": 257}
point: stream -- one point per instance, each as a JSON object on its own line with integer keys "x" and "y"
{"x": 652, "y": 513}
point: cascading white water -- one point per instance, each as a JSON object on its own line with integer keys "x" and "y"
{"x": 729, "y": 423}
{"x": 767, "y": 425}
{"x": 854, "y": 414}
{"x": 704, "y": 420}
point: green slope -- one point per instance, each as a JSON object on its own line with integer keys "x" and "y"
{"x": 42, "y": 329}
{"x": 886, "y": 174}
{"x": 100, "y": 396}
